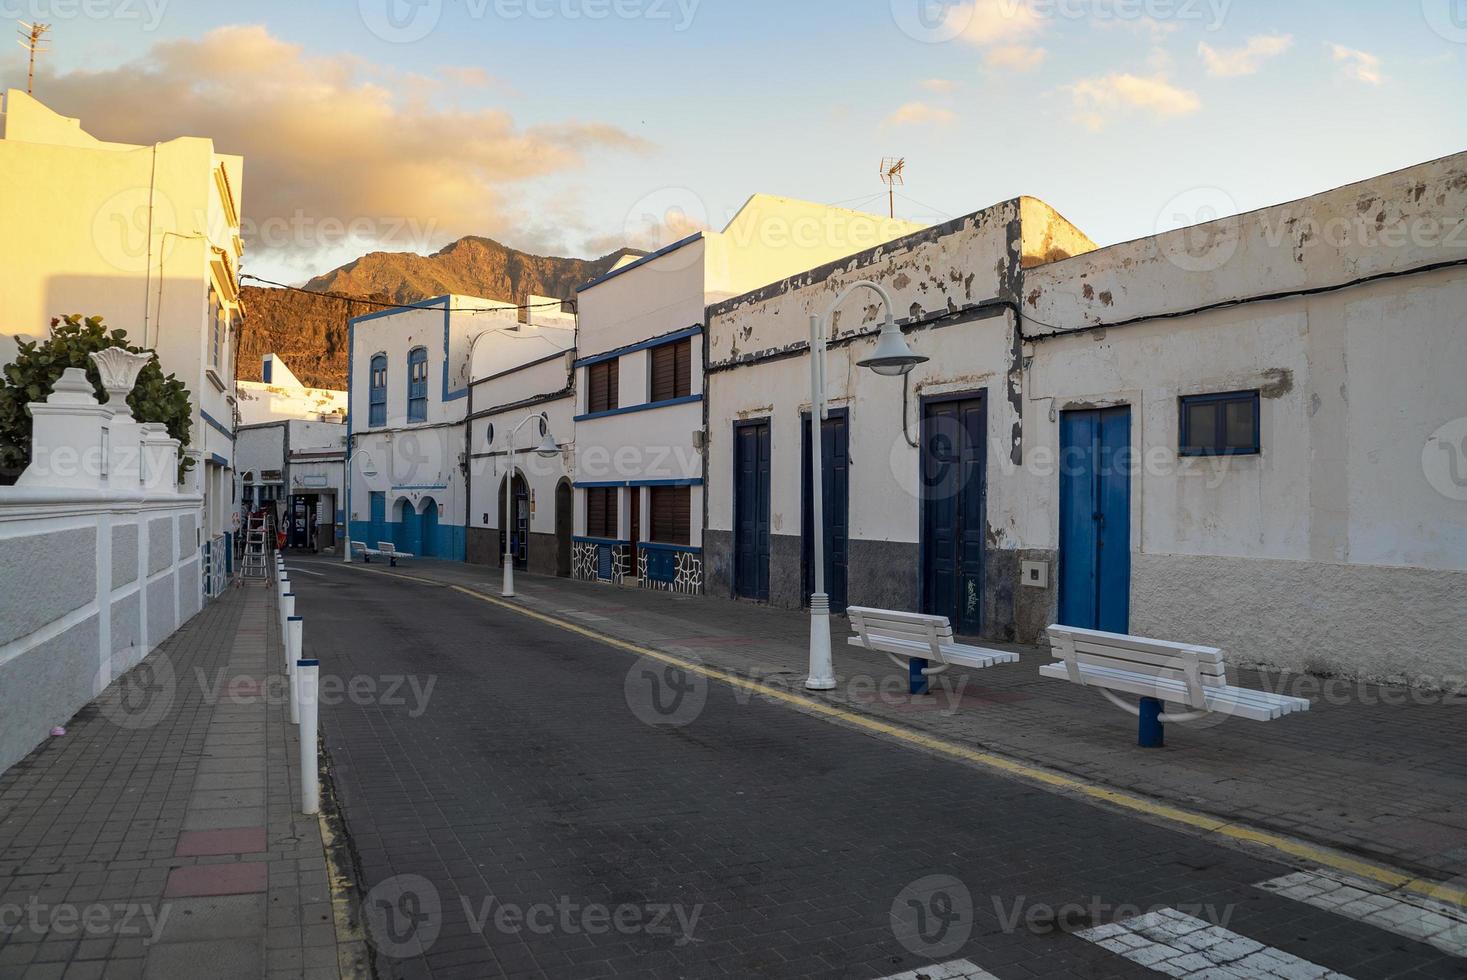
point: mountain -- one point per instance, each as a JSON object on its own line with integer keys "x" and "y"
{"x": 309, "y": 332}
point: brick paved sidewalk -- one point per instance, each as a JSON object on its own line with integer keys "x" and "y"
{"x": 162, "y": 835}
{"x": 1376, "y": 771}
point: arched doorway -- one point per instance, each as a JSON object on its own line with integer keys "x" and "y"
{"x": 409, "y": 535}
{"x": 519, "y": 521}
{"x": 429, "y": 525}
{"x": 564, "y": 527}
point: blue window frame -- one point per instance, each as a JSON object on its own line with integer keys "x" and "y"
{"x": 378, "y": 413}
{"x": 1221, "y": 424}
{"x": 418, "y": 384}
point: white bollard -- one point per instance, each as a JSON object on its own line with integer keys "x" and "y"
{"x": 293, "y": 649}
{"x": 287, "y": 610}
{"x": 307, "y": 674}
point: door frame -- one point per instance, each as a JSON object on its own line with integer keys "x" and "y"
{"x": 923, "y": 402}
{"x": 507, "y": 486}
{"x": 738, "y": 426}
{"x": 807, "y": 572}
{"x": 565, "y": 519}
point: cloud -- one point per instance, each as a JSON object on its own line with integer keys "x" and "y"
{"x": 1155, "y": 29}
{"x": 987, "y": 22}
{"x": 329, "y": 140}
{"x": 1097, "y": 98}
{"x": 920, "y": 114}
{"x": 1362, "y": 66}
{"x": 1015, "y": 57}
{"x": 467, "y": 76}
{"x": 1230, "y": 62}
{"x": 941, "y": 86}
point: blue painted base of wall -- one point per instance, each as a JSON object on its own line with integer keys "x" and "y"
{"x": 448, "y": 542}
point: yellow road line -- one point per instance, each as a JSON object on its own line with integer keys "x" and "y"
{"x": 1197, "y": 822}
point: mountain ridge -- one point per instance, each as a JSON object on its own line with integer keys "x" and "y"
{"x": 309, "y": 331}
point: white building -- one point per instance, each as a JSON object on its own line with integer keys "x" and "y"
{"x": 408, "y": 378}
{"x": 639, "y": 384}
{"x": 280, "y": 395}
{"x": 296, "y": 468}
{"x": 146, "y": 236}
{"x": 523, "y": 373}
{"x": 1251, "y": 433}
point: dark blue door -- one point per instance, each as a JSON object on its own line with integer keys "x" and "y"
{"x": 430, "y": 528}
{"x": 751, "y": 510}
{"x": 410, "y": 531}
{"x": 953, "y": 487}
{"x": 1095, "y": 519}
{"x": 835, "y": 486}
{"x": 378, "y": 526}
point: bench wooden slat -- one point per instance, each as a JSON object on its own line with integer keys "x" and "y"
{"x": 1242, "y": 702}
{"x": 918, "y": 636}
{"x": 1127, "y": 641}
{"x": 958, "y": 654}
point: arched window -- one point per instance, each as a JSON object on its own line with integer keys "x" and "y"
{"x": 378, "y": 414}
{"x": 418, "y": 384}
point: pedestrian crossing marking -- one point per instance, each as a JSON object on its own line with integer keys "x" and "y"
{"x": 1437, "y": 924}
{"x": 1179, "y": 945}
{"x": 953, "y": 970}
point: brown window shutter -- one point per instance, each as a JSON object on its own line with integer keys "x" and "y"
{"x": 664, "y": 379}
{"x": 683, "y": 368}
{"x": 601, "y": 387}
{"x": 613, "y": 399}
{"x": 671, "y": 515}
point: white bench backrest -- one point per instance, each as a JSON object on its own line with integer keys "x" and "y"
{"x": 879, "y": 624}
{"x": 1198, "y": 666}
{"x": 385, "y": 547}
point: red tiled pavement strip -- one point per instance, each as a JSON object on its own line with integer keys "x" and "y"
{"x": 233, "y": 840}
{"x": 217, "y": 879}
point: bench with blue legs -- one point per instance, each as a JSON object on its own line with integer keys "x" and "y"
{"x": 922, "y": 645}
{"x": 384, "y": 549}
{"x": 1158, "y": 672}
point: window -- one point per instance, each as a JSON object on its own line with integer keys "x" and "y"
{"x": 601, "y": 393}
{"x": 216, "y": 327}
{"x": 378, "y": 414}
{"x": 671, "y": 514}
{"x": 672, "y": 370}
{"x": 601, "y": 512}
{"x": 1223, "y": 424}
{"x": 418, "y": 385}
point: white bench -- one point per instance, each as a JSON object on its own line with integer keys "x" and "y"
{"x": 384, "y": 549}
{"x": 921, "y": 644}
{"x": 1158, "y": 671}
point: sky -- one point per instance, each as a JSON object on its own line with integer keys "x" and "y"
{"x": 573, "y": 127}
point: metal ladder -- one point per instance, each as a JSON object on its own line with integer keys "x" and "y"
{"x": 254, "y": 554}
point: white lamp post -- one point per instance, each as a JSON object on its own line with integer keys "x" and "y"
{"x": 547, "y": 448}
{"x": 892, "y": 358}
{"x": 369, "y": 471}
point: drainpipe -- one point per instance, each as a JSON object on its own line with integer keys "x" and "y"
{"x": 469, "y": 461}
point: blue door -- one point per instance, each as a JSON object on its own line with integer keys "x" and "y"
{"x": 409, "y": 529}
{"x": 377, "y": 529}
{"x": 751, "y": 510}
{"x": 1095, "y": 519}
{"x": 430, "y": 528}
{"x": 835, "y": 497}
{"x": 954, "y": 440}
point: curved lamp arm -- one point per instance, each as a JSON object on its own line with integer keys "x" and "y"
{"x": 875, "y": 287}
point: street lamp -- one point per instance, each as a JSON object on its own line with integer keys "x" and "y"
{"x": 546, "y": 449}
{"x": 892, "y": 358}
{"x": 369, "y": 471}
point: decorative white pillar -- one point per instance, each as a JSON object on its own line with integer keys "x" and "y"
{"x": 67, "y": 444}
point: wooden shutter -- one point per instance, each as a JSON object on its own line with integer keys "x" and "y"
{"x": 682, "y": 369}
{"x": 672, "y": 370}
{"x": 671, "y": 514}
{"x": 601, "y": 393}
{"x": 601, "y": 512}
{"x": 664, "y": 373}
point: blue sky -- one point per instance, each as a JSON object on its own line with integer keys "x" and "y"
{"x": 542, "y": 124}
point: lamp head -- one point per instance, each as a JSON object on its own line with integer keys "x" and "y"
{"x": 547, "y": 446}
{"x": 892, "y": 357}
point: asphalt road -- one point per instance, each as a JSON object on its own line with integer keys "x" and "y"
{"x": 524, "y": 801}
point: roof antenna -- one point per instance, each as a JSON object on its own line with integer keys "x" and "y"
{"x": 30, "y": 39}
{"x": 893, "y": 175}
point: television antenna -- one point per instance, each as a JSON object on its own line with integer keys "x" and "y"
{"x": 893, "y": 175}
{"x": 31, "y": 40}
